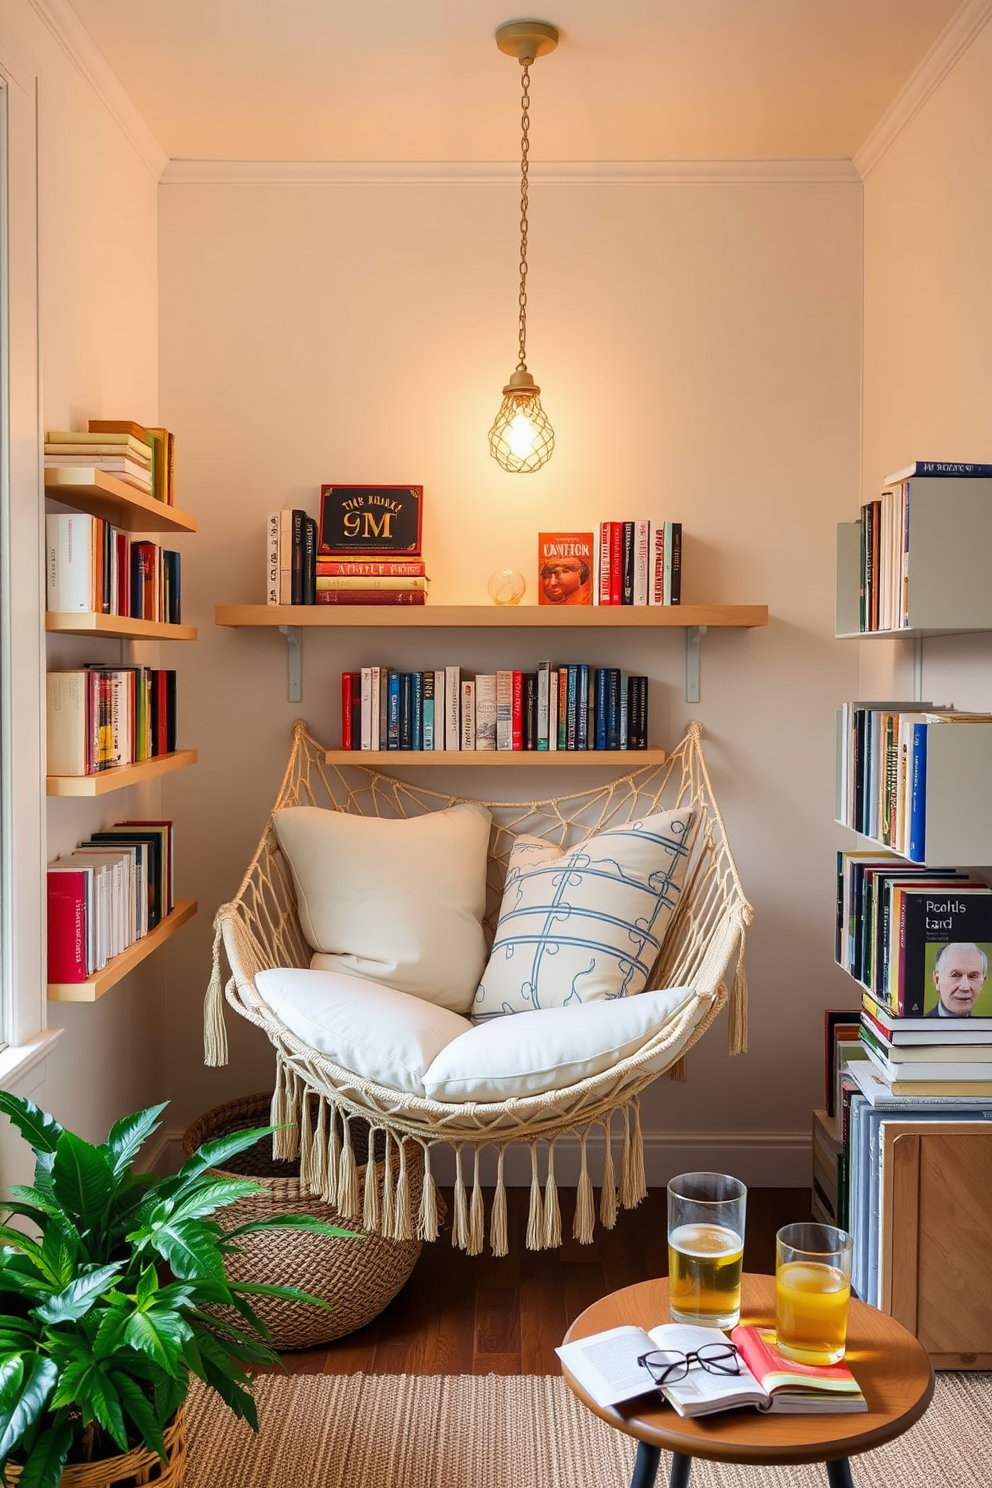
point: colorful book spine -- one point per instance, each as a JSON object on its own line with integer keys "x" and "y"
{"x": 427, "y": 742}
{"x": 582, "y": 706}
{"x": 485, "y": 710}
{"x": 371, "y": 597}
{"x": 452, "y": 711}
{"x": 440, "y": 701}
{"x": 416, "y": 705}
{"x": 504, "y": 710}
{"x": 393, "y": 711}
{"x": 603, "y": 584}
{"x": 543, "y": 703}
{"x": 517, "y": 716}
{"x": 642, "y": 561}
{"x": 602, "y": 693}
{"x": 616, "y": 563}
{"x": 468, "y": 714}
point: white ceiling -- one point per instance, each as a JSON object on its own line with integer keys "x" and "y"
{"x": 422, "y": 80}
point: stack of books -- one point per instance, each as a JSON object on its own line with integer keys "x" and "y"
{"x": 296, "y": 572}
{"x": 124, "y": 455}
{"x": 93, "y": 567}
{"x": 569, "y": 707}
{"x": 101, "y": 718}
{"x": 116, "y": 886}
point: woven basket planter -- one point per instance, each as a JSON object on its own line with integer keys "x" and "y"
{"x": 357, "y": 1277}
{"x": 139, "y": 1466}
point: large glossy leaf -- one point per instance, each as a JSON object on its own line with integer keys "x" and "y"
{"x": 137, "y": 1406}
{"x": 214, "y": 1195}
{"x": 289, "y": 1293}
{"x": 60, "y": 1248}
{"x": 294, "y": 1222}
{"x": 103, "y": 1401}
{"x": 110, "y": 1334}
{"x": 189, "y": 1251}
{"x": 169, "y": 1394}
{"x": 40, "y": 1130}
{"x": 83, "y": 1179}
{"x": 159, "y": 1334}
{"x": 43, "y": 1468}
{"x": 215, "y": 1154}
{"x": 40, "y": 1374}
{"x": 127, "y": 1135}
{"x": 11, "y": 1379}
{"x": 31, "y": 1251}
{"x": 75, "y": 1300}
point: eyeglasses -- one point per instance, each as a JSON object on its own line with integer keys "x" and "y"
{"x": 665, "y": 1366}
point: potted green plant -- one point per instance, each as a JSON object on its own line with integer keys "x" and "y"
{"x": 113, "y": 1294}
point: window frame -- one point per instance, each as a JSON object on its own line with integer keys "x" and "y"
{"x": 23, "y": 1005}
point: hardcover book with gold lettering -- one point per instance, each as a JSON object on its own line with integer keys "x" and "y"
{"x": 370, "y": 520}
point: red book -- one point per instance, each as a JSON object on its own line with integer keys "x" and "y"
{"x": 517, "y": 716}
{"x": 66, "y": 925}
{"x": 565, "y": 564}
{"x": 604, "y": 564}
{"x": 408, "y": 568}
{"x": 371, "y": 597}
{"x": 351, "y": 689}
{"x": 123, "y": 573}
{"x": 616, "y": 563}
{"x": 144, "y": 561}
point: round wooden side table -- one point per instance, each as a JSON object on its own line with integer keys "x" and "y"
{"x": 889, "y": 1364}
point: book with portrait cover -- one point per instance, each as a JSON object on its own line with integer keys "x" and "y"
{"x": 565, "y": 567}
{"x": 944, "y": 939}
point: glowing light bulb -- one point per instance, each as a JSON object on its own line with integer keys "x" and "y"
{"x": 522, "y": 439}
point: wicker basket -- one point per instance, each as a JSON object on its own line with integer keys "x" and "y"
{"x": 139, "y": 1466}
{"x": 357, "y": 1279}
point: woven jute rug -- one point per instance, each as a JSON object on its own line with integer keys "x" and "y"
{"x": 491, "y": 1431}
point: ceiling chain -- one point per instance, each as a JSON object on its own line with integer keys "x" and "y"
{"x": 524, "y": 202}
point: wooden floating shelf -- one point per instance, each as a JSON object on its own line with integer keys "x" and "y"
{"x": 501, "y": 758}
{"x": 104, "y": 781}
{"x": 102, "y": 495}
{"x": 124, "y": 627}
{"x": 503, "y": 617}
{"x": 118, "y": 968}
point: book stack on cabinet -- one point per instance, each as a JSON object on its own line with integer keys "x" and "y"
{"x": 112, "y": 725}
{"x": 911, "y": 1132}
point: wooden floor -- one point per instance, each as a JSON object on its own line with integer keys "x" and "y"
{"x": 461, "y": 1314}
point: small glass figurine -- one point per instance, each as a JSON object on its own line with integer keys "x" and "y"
{"x": 506, "y": 586}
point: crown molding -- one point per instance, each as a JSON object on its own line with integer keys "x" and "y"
{"x": 414, "y": 172}
{"x": 955, "y": 39}
{"x": 72, "y": 36}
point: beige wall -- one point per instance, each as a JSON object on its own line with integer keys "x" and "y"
{"x": 928, "y": 313}
{"x": 699, "y": 346}
{"x": 99, "y": 358}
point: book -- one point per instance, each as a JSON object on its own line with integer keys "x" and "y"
{"x": 373, "y": 568}
{"x": 943, "y": 938}
{"x": 909, "y": 1077}
{"x": 69, "y": 726}
{"x": 467, "y": 740}
{"x": 370, "y": 597}
{"x": 387, "y": 582}
{"x": 543, "y": 703}
{"x": 882, "y": 1092}
{"x": 485, "y": 710}
{"x": 286, "y": 556}
{"x": 627, "y": 563}
{"x": 504, "y": 710}
{"x": 105, "y": 434}
{"x": 70, "y": 561}
{"x": 565, "y": 568}
{"x": 363, "y": 522}
{"x": 163, "y": 465}
{"x": 666, "y": 587}
{"x": 642, "y": 561}
{"x": 428, "y": 711}
{"x": 603, "y": 577}
{"x": 440, "y": 708}
{"x": 452, "y": 710}
{"x": 296, "y": 560}
{"x": 903, "y": 1030}
{"x": 943, "y": 468}
{"x": 351, "y": 689}
{"x": 616, "y": 563}
{"x": 309, "y": 560}
{"x": 66, "y": 923}
{"x": 605, "y": 1365}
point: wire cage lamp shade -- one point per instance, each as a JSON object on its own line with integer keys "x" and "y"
{"x": 521, "y": 439}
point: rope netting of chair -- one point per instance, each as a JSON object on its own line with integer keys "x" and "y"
{"x": 259, "y": 929}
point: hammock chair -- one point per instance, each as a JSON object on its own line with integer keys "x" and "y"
{"x": 316, "y": 1100}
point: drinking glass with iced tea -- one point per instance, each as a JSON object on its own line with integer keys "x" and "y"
{"x": 812, "y": 1292}
{"x": 706, "y": 1248}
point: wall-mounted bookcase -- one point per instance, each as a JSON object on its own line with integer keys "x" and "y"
{"x": 119, "y": 966}
{"x": 100, "y": 494}
{"x": 949, "y": 542}
{"x": 292, "y": 620}
{"x": 105, "y": 781}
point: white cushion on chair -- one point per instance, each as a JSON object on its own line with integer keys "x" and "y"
{"x": 586, "y": 924}
{"x": 399, "y": 902}
{"x": 376, "y": 1032}
{"x": 556, "y": 1047}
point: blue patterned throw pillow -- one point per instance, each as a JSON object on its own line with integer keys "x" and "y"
{"x": 584, "y": 925}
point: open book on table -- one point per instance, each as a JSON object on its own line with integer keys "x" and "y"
{"x": 605, "y": 1365}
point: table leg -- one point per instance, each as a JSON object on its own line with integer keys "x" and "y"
{"x": 839, "y": 1473}
{"x": 645, "y": 1466}
{"x": 681, "y": 1465}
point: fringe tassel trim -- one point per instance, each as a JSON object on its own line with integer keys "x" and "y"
{"x": 402, "y": 1218}
{"x": 388, "y": 1207}
{"x": 498, "y": 1233}
{"x": 737, "y": 1030}
{"x": 285, "y": 1109}
{"x": 347, "y": 1199}
{"x": 459, "y": 1227}
{"x": 608, "y": 1192}
{"x": 477, "y": 1213}
{"x": 535, "y": 1218}
{"x": 585, "y": 1200}
{"x": 214, "y": 1027}
{"x": 679, "y": 1070}
{"x": 427, "y": 1223}
{"x": 552, "y": 1213}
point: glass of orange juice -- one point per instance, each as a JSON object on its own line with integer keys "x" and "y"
{"x": 812, "y": 1292}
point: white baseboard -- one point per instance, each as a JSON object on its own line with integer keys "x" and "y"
{"x": 759, "y": 1159}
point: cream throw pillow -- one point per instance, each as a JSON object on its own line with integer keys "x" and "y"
{"x": 556, "y": 1047}
{"x": 398, "y": 902}
{"x": 376, "y": 1032}
{"x": 586, "y": 924}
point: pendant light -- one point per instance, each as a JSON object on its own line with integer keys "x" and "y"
{"x": 522, "y": 439}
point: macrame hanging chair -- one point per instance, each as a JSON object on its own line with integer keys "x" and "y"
{"x": 259, "y": 929}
